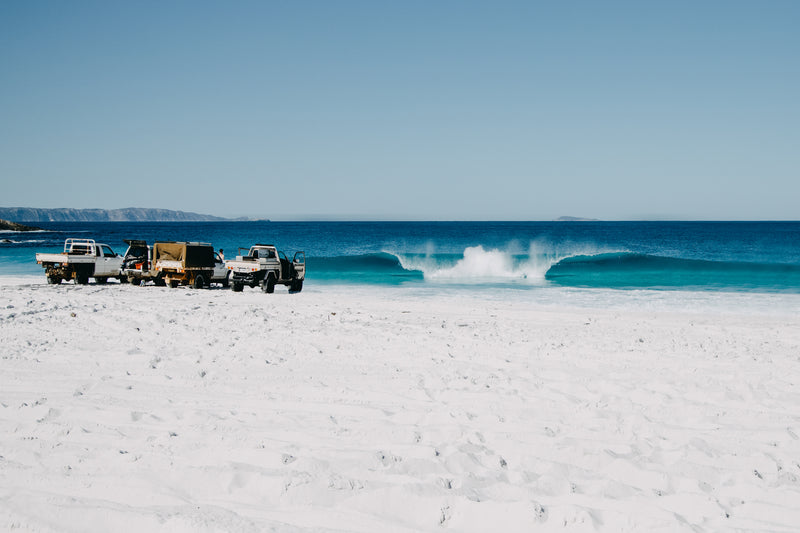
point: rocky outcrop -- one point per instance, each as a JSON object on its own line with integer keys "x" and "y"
{"x": 13, "y": 226}
{"x": 128, "y": 214}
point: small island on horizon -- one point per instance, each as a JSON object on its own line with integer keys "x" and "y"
{"x": 576, "y": 219}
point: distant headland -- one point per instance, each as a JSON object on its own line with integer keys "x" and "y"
{"x": 128, "y": 214}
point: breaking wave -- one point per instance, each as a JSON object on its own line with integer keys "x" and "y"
{"x": 632, "y": 270}
{"x": 5, "y": 240}
{"x": 479, "y": 265}
{"x": 601, "y": 269}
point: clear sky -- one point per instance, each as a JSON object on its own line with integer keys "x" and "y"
{"x": 437, "y": 110}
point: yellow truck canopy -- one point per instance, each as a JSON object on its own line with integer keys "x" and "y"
{"x": 192, "y": 255}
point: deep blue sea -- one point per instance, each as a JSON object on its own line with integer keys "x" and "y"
{"x": 704, "y": 256}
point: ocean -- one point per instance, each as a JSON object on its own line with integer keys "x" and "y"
{"x": 750, "y": 257}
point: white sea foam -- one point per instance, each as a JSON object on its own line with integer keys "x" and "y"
{"x": 476, "y": 265}
{"x": 480, "y": 265}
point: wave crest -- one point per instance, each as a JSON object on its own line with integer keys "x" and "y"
{"x": 479, "y": 265}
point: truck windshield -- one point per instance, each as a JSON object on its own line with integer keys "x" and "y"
{"x": 263, "y": 253}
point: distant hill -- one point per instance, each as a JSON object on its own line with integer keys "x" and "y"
{"x": 128, "y": 214}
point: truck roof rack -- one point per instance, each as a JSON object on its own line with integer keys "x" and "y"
{"x": 186, "y": 242}
{"x": 86, "y": 246}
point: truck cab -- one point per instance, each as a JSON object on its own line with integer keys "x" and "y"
{"x": 108, "y": 262}
{"x": 221, "y": 274}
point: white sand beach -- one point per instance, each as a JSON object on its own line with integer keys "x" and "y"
{"x": 352, "y": 409}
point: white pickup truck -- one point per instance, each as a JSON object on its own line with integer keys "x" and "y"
{"x": 264, "y": 265}
{"x": 81, "y": 259}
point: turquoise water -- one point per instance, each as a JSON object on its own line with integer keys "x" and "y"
{"x": 709, "y": 256}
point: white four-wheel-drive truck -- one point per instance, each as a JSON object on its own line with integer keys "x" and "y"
{"x": 81, "y": 259}
{"x": 187, "y": 263}
{"x": 265, "y": 266}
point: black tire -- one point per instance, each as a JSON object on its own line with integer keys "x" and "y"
{"x": 198, "y": 282}
{"x": 123, "y": 279}
{"x": 226, "y": 281}
{"x": 269, "y": 284}
{"x": 160, "y": 282}
{"x": 81, "y": 279}
{"x": 173, "y": 283}
{"x": 102, "y": 280}
{"x": 53, "y": 280}
{"x": 297, "y": 285}
{"x": 237, "y": 286}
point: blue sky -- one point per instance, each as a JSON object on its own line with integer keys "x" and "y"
{"x": 407, "y": 110}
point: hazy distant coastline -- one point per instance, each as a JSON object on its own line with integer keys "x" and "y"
{"x": 142, "y": 214}
{"x": 128, "y": 214}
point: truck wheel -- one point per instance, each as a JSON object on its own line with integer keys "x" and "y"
{"x": 268, "y": 285}
{"x": 134, "y": 281}
{"x": 297, "y": 285}
{"x": 237, "y": 286}
{"x": 226, "y": 281}
{"x": 173, "y": 283}
{"x": 101, "y": 280}
{"x": 198, "y": 282}
{"x": 160, "y": 282}
{"x": 53, "y": 280}
{"x": 81, "y": 279}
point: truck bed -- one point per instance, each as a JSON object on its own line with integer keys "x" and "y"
{"x": 65, "y": 258}
{"x": 250, "y": 265}
{"x": 164, "y": 264}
